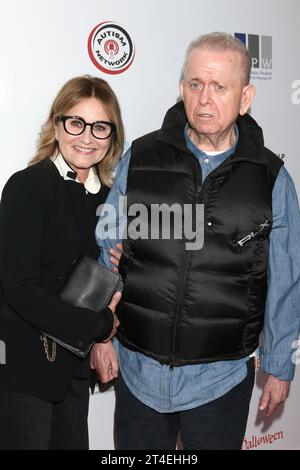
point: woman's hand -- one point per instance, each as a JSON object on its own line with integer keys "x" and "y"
{"x": 116, "y": 254}
{"x": 103, "y": 355}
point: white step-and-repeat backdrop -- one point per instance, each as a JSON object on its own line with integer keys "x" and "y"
{"x": 138, "y": 46}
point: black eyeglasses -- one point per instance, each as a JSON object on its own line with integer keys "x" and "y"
{"x": 75, "y": 125}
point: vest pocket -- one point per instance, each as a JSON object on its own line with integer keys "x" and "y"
{"x": 262, "y": 231}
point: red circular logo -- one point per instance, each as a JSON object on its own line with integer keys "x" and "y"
{"x": 110, "y": 48}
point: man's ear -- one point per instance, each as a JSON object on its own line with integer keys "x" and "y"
{"x": 181, "y": 88}
{"x": 248, "y": 94}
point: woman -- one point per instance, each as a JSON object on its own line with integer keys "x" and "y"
{"x": 47, "y": 220}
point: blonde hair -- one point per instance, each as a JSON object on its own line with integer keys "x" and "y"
{"x": 74, "y": 91}
{"x": 221, "y": 42}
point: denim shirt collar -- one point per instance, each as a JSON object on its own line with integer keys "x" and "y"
{"x": 201, "y": 155}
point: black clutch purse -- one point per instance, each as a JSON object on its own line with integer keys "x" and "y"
{"x": 89, "y": 285}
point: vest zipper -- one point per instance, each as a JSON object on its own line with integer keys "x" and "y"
{"x": 182, "y": 280}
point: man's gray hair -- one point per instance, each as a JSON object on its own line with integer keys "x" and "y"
{"x": 221, "y": 42}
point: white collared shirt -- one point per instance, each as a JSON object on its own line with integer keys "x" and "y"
{"x": 92, "y": 184}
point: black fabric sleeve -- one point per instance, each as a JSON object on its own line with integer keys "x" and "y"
{"x": 23, "y": 210}
{"x": 102, "y": 337}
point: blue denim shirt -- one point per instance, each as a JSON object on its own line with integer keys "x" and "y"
{"x": 186, "y": 387}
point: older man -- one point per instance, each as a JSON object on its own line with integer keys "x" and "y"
{"x": 191, "y": 319}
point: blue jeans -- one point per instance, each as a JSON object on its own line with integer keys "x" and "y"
{"x": 219, "y": 424}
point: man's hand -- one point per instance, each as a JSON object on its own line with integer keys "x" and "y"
{"x": 104, "y": 360}
{"x": 275, "y": 391}
{"x": 116, "y": 254}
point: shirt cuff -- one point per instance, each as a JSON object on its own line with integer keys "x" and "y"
{"x": 280, "y": 366}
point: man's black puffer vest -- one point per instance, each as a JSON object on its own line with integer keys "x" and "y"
{"x": 187, "y": 307}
